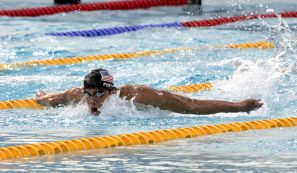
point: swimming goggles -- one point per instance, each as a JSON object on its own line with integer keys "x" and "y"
{"x": 98, "y": 93}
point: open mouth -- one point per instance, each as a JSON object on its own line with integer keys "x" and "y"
{"x": 94, "y": 111}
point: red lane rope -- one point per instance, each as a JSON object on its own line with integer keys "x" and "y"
{"x": 224, "y": 20}
{"x": 115, "y": 5}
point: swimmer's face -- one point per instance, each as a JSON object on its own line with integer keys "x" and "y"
{"x": 95, "y": 99}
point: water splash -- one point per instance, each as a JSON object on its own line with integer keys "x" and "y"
{"x": 117, "y": 108}
{"x": 272, "y": 79}
{"x": 281, "y": 36}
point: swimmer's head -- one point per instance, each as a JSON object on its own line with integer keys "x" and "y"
{"x": 96, "y": 85}
{"x": 99, "y": 78}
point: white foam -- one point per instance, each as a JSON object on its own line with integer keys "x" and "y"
{"x": 270, "y": 10}
{"x": 120, "y": 108}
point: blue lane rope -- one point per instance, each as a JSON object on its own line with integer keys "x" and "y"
{"x": 197, "y": 23}
{"x": 113, "y": 30}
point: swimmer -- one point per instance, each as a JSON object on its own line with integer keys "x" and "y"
{"x": 98, "y": 86}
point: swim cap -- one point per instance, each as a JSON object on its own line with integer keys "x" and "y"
{"x": 99, "y": 78}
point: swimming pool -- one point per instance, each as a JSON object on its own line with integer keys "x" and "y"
{"x": 235, "y": 73}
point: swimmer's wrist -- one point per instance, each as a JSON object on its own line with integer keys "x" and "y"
{"x": 243, "y": 107}
{"x": 42, "y": 102}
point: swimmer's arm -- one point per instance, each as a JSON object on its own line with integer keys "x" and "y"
{"x": 218, "y": 106}
{"x": 73, "y": 95}
{"x": 166, "y": 100}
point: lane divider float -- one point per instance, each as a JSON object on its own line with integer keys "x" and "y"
{"x": 192, "y": 88}
{"x": 113, "y": 5}
{"x": 225, "y": 20}
{"x": 194, "y": 23}
{"x": 75, "y": 60}
{"x": 112, "y": 30}
{"x": 15, "y": 104}
{"x": 137, "y": 138}
{"x": 122, "y": 56}
{"x": 33, "y": 104}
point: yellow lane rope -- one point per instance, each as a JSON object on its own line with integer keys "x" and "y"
{"x": 75, "y": 60}
{"x": 261, "y": 45}
{"x": 192, "y": 88}
{"x": 33, "y": 104}
{"x": 137, "y": 138}
{"x": 26, "y": 103}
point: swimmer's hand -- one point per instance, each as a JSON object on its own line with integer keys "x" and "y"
{"x": 250, "y": 105}
{"x": 41, "y": 99}
{"x": 39, "y": 94}
{"x": 50, "y": 100}
{"x": 73, "y": 95}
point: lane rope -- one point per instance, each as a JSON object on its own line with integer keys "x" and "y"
{"x": 195, "y": 23}
{"x": 137, "y": 138}
{"x": 114, "y": 5}
{"x": 112, "y": 30}
{"x": 75, "y": 60}
{"x": 15, "y": 104}
{"x": 225, "y": 20}
{"x": 192, "y": 88}
{"x": 123, "y": 56}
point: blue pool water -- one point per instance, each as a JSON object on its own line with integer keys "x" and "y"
{"x": 236, "y": 74}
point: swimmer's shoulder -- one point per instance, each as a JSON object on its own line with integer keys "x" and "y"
{"x": 129, "y": 91}
{"x": 126, "y": 91}
{"x": 127, "y": 88}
